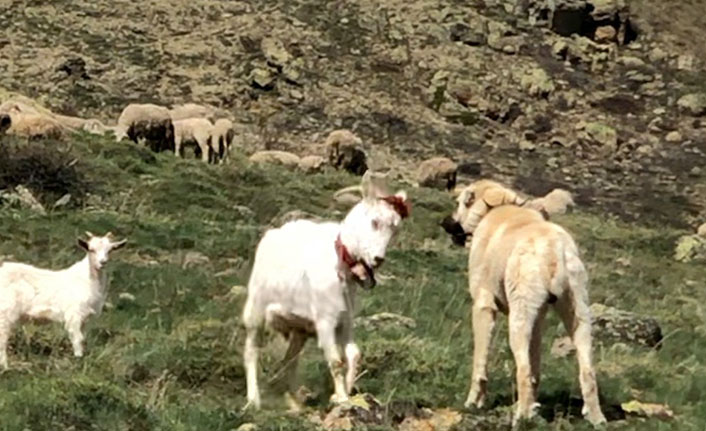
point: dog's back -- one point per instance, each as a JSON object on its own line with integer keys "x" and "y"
{"x": 517, "y": 252}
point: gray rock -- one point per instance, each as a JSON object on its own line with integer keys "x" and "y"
{"x": 690, "y": 248}
{"x": 384, "y": 320}
{"x": 537, "y": 83}
{"x": 275, "y": 52}
{"x": 693, "y": 104}
{"x": 618, "y": 325}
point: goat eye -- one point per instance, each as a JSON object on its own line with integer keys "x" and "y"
{"x": 376, "y": 224}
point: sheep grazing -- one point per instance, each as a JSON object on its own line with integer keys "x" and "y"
{"x": 223, "y": 135}
{"x": 558, "y": 201}
{"x": 303, "y": 284}
{"x": 150, "y": 122}
{"x": 192, "y": 110}
{"x": 69, "y": 295}
{"x": 520, "y": 263}
{"x": 197, "y": 131}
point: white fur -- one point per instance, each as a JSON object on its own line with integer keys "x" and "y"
{"x": 197, "y": 130}
{"x": 297, "y": 277}
{"x": 69, "y": 295}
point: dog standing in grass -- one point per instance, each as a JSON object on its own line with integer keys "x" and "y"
{"x": 520, "y": 263}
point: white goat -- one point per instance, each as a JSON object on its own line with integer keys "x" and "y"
{"x": 68, "y": 296}
{"x": 303, "y": 284}
{"x": 519, "y": 264}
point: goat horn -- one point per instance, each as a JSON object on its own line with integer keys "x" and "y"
{"x": 89, "y": 234}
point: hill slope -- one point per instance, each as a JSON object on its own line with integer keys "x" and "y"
{"x": 166, "y": 354}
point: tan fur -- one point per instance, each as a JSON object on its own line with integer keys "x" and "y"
{"x": 518, "y": 264}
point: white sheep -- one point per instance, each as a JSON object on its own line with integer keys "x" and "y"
{"x": 558, "y": 201}
{"x": 198, "y": 131}
{"x": 150, "y": 122}
{"x": 69, "y": 295}
{"x": 34, "y": 126}
{"x": 223, "y": 134}
{"x": 520, "y": 263}
{"x": 303, "y": 284}
{"x": 192, "y": 110}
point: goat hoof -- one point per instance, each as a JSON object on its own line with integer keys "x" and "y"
{"x": 252, "y": 404}
{"x": 338, "y": 399}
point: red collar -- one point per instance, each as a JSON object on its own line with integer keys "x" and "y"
{"x": 343, "y": 254}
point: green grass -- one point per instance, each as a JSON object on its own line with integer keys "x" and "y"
{"x": 171, "y": 359}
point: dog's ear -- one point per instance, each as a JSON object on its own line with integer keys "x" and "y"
{"x": 497, "y": 196}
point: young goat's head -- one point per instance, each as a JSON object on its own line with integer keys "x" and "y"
{"x": 98, "y": 248}
{"x": 371, "y": 224}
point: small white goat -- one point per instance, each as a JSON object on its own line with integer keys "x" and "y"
{"x": 68, "y": 296}
{"x": 303, "y": 284}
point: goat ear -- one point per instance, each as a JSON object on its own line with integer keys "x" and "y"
{"x": 118, "y": 245}
{"x": 402, "y": 195}
{"x": 83, "y": 244}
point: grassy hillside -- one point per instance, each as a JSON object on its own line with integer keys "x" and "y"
{"x": 166, "y": 353}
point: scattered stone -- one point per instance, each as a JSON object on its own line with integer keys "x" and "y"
{"x": 62, "y": 201}
{"x": 648, "y": 410}
{"x": 537, "y": 83}
{"x": 601, "y": 134}
{"x": 631, "y": 62}
{"x": 384, "y": 320}
{"x": 247, "y": 427}
{"x": 275, "y": 52}
{"x": 612, "y": 324}
{"x": 360, "y": 411}
{"x": 690, "y": 248}
{"x": 193, "y": 259}
{"x": 693, "y": 104}
{"x": 673, "y": 137}
{"x": 658, "y": 54}
{"x": 262, "y": 79}
{"x": 437, "y": 172}
{"x": 238, "y": 291}
{"x": 606, "y": 34}
{"x": 275, "y": 157}
{"x": 526, "y": 145}
{"x": 125, "y": 296}
{"x": 686, "y": 62}
{"x": 432, "y": 420}
{"x": 312, "y": 164}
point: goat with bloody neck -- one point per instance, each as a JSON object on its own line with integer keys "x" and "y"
{"x": 366, "y": 230}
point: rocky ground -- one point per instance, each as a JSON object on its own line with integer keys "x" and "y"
{"x": 589, "y": 96}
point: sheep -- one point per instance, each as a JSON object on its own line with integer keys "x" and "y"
{"x": 69, "y": 295}
{"x": 34, "y": 126}
{"x": 558, "y": 201}
{"x": 150, "y": 122}
{"x": 223, "y": 135}
{"x": 194, "y": 130}
{"x": 345, "y": 151}
{"x": 192, "y": 110}
{"x": 303, "y": 284}
{"x": 519, "y": 263}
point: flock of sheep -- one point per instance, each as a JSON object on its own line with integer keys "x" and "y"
{"x": 160, "y": 128}
{"x": 305, "y": 275}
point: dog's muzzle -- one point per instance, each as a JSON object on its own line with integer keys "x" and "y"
{"x": 454, "y": 228}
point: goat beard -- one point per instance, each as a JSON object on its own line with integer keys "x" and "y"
{"x": 364, "y": 275}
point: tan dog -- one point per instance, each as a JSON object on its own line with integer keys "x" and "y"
{"x": 519, "y": 263}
